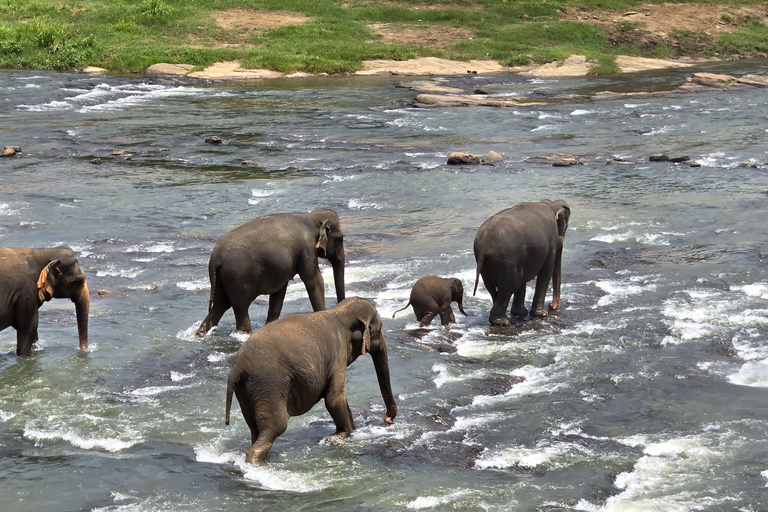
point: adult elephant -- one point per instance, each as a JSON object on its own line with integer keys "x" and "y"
{"x": 432, "y": 296}
{"x": 289, "y": 365}
{"x": 516, "y": 245}
{"x": 263, "y": 255}
{"x": 30, "y": 277}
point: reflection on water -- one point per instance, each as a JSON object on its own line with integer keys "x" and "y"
{"x": 647, "y": 391}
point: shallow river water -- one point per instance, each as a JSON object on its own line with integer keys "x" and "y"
{"x": 648, "y": 390}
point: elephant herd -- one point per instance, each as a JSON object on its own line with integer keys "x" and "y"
{"x": 290, "y": 364}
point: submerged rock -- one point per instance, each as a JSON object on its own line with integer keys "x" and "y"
{"x": 457, "y": 158}
{"x": 557, "y": 160}
{"x": 213, "y": 140}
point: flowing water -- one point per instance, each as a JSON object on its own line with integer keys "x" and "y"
{"x": 648, "y": 390}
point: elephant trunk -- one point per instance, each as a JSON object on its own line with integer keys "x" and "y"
{"x": 338, "y": 277}
{"x": 381, "y": 363}
{"x": 461, "y": 308}
{"x": 82, "y": 306}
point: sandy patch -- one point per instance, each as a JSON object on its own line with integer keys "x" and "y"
{"x": 252, "y": 20}
{"x": 430, "y": 66}
{"x": 662, "y": 20}
{"x": 422, "y": 35}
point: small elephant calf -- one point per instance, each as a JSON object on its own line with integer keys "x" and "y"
{"x": 433, "y": 295}
{"x": 289, "y": 365}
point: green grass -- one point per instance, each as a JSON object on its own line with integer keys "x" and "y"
{"x": 130, "y": 35}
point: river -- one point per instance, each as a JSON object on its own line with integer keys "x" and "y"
{"x": 648, "y": 390}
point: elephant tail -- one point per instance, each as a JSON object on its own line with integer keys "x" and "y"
{"x": 477, "y": 273}
{"x": 214, "y": 283}
{"x": 399, "y": 310}
{"x": 234, "y": 378}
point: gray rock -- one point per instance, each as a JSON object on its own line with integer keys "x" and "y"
{"x": 213, "y": 140}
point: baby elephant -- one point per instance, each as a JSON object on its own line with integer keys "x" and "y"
{"x": 433, "y": 295}
{"x": 289, "y": 365}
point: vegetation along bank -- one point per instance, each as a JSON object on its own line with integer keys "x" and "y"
{"x": 338, "y": 36}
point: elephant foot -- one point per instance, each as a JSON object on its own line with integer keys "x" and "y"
{"x": 553, "y": 306}
{"x": 338, "y": 438}
{"x": 538, "y": 313}
{"x": 500, "y": 321}
{"x": 519, "y": 311}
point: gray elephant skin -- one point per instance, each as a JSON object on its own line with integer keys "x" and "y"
{"x": 31, "y": 277}
{"x": 432, "y": 296}
{"x": 289, "y": 365}
{"x": 263, "y": 255}
{"x": 516, "y": 245}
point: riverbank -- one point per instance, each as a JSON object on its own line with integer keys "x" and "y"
{"x": 278, "y": 38}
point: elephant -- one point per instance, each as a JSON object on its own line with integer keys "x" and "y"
{"x": 516, "y": 245}
{"x": 432, "y": 295}
{"x": 263, "y": 255}
{"x": 31, "y": 277}
{"x": 287, "y": 366}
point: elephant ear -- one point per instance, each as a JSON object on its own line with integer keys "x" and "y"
{"x": 562, "y": 216}
{"x": 44, "y": 286}
{"x": 322, "y": 239}
{"x": 367, "y": 336}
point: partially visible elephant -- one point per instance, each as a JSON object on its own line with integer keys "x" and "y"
{"x": 30, "y": 277}
{"x": 263, "y": 255}
{"x": 289, "y": 365}
{"x": 432, "y": 296}
{"x": 516, "y": 245}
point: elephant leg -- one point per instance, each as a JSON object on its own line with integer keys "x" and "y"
{"x": 447, "y": 316}
{"x": 313, "y": 281}
{"x": 336, "y": 403}
{"x": 542, "y": 283}
{"x": 219, "y": 306}
{"x": 427, "y": 318}
{"x": 246, "y": 407}
{"x": 518, "y": 302}
{"x": 26, "y": 335}
{"x": 276, "y": 304}
{"x": 270, "y": 430}
{"x": 500, "y": 304}
{"x": 242, "y": 320}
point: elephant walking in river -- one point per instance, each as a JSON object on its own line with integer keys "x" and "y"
{"x": 263, "y": 255}
{"x": 289, "y": 365}
{"x": 516, "y": 245}
{"x": 432, "y": 296}
{"x": 31, "y": 277}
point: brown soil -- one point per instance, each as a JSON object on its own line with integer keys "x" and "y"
{"x": 252, "y": 20}
{"x": 422, "y": 35}
{"x": 651, "y": 24}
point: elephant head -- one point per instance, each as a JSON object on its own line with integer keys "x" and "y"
{"x": 330, "y": 245}
{"x": 457, "y": 293}
{"x": 62, "y": 278}
{"x": 368, "y": 323}
{"x": 562, "y": 215}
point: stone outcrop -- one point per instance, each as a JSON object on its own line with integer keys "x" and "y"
{"x": 557, "y": 160}
{"x": 696, "y": 83}
{"x": 458, "y": 158}
{"x": 10, "y": 151}
{"x": 164, "y": 70}
{"x": 491, "y": 158}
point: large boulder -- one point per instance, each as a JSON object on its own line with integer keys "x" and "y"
{"x": 458, "y": 158}
{"x": 491, "y": 158}
{"x": 10, "y": 150}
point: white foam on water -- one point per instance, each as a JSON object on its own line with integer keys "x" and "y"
{"x": 5, "y": 416}
{"x": 753, "y": 374}
{"x": 216, "y": 357}
{"x": 114, "y": 271}
{"x": 759, "y": 290}
{"x": 659, "y": 131}
{"x": 89, "y": 442}
{"x": 584, "y": 112}
{"x": 618, "y": 290}
{"x": 177, "y": 376}
{"x": 5, "y": 210}
{"x": 262, "y": 192}
{"x": 195, "y": 286}
{"x": 444, "y": 375}
{"x": 360, "y": 204}
{"x": 764, "y": 474}
{"x": 545, "y": 128}
{"x": 666, "y": 476}
{"x": 157, "y": 390}
{"x": 548, "y": 454}
{"x": 431, "y": 502}
{"x": 536, "y": 381}
{"x": 271, "y": 475}
{"x": 153, "y": 247}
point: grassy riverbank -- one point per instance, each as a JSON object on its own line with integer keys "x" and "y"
{"x": 327, "y": 36}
